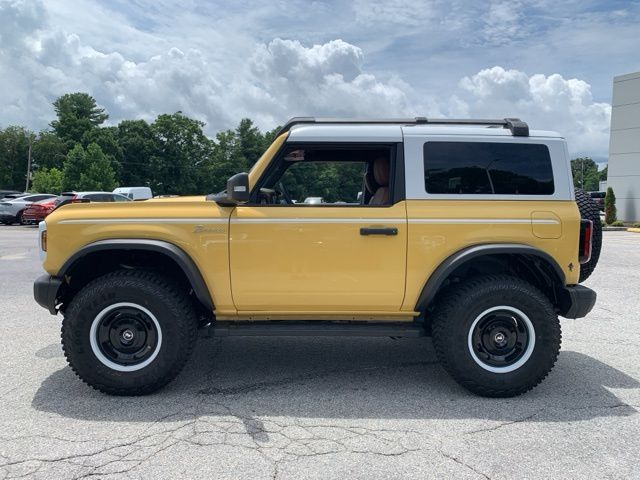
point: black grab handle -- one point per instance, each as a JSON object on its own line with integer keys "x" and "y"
{"x": 378, "y": 231}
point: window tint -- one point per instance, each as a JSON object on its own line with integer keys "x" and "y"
{"x": 478, "y": 168}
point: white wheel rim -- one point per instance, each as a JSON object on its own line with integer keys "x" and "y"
{"x": 95, "y": 348}
{"x": 527, "y": 353}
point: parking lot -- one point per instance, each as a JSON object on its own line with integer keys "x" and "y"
{"x": 322, "y": 407}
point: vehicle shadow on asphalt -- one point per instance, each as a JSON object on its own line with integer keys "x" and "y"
{"x": 338, "y": 378}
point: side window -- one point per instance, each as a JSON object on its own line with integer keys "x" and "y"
{"x": 324, "y": 182}
{"x": 120, "y": 198}
{"x": 479, "y": 168}
{"x": 95, "y": 197}
{"x": 339, "y": 174}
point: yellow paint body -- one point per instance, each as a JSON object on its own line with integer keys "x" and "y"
{"x": 306, "y": 261}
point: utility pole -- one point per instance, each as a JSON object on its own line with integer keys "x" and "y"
{"x": 26, "y": 188}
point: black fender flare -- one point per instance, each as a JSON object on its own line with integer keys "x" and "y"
{"x": 172, "y": 251}
{"x": 440, "y": 274}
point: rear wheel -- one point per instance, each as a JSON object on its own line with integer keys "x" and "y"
{"x": 129, "y": 332}
{"x": 498, "y": 336}
{"x": 590, "y": 211}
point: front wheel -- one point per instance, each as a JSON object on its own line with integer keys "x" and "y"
{"x": 129, "y": 332}
{"x": 498, "y": 336}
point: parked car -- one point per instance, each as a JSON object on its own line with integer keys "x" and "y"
{"x": 598, "y": 198}
{"x": 5, "y": 193}
{"x": 11, "y": 210}
{"x": 441, "y": 245}
{"x": 313, "y": 200}
{"x": 73, "y": 197}
{"x": 135, "y": 193}
{"x": 11, "y": 196}
{"x": 38, "y": 211}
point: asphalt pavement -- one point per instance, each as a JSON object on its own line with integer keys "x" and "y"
{"x": 294, "y": 408}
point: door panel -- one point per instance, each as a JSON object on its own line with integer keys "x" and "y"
{"x": 316, "y": 259}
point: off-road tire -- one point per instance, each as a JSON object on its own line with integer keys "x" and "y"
{"x": 590, "y": 211}
{"x": 171, "y": 306}
{"x": 454, "y": 317}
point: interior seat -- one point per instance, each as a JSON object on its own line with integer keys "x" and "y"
{"x": 381, "y": 177}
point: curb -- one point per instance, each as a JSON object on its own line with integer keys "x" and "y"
{"x": 636, "y": 230}
{"x": 614, "y": 229}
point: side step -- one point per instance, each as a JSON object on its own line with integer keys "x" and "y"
{"x": 315, "y": 328}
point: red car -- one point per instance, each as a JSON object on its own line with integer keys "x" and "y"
{"x": 36, "y": 212}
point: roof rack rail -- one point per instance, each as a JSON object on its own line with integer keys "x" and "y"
{"x": 518, "y": 127}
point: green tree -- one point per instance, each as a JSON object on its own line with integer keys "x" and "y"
{"x": 99, "y": 174}
{"x": 249, "y": 142}
{"x": 107, "y": 139}
{"x": 47, "y": 181}
{"x": 182, "y": 152}
{"x": 77, "y": 113}
{"x": 138, "y": 144}
{"x": 88, "y": 169}
{"x": 604, "y": 173}
{"x": 14, "y": 151}
{"x": 585, "y": 173}
{"x": 48, "y": 151}
{"x": 610, "y": 211}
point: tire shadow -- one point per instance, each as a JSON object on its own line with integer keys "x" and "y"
{"x": 338, "y": 378}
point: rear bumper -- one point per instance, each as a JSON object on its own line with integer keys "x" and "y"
{"x": 5, "y": 217}
{"x": 576, "y": 301}
{"x": 45, "y": 291}
{"x": 31, "y": 220}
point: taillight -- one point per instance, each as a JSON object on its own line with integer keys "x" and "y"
{"x": 43, "y": 241}
{"x": 586, "y": 240}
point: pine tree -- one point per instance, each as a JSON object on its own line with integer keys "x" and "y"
{"x": 610, "y": 212}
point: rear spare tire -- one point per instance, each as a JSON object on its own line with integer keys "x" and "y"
{"x": 590, "y": 211}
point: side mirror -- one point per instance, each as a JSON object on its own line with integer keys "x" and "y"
{"x": 237, "y": 191}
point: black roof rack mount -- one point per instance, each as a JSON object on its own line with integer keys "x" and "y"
{"x": 518, "y": 127}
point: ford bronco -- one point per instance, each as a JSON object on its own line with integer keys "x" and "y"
{"x": 467, "y": 231}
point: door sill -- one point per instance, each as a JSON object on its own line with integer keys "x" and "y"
{"x": 316, "y": 328}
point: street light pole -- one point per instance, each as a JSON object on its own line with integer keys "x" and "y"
{"x": 26, "y": 188}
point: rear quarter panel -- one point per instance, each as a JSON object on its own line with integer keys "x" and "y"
{"x": 440, "y": 228}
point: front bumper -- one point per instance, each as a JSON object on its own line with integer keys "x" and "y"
{"x": 45, "y": 291}
{"x": 576, "y": 301}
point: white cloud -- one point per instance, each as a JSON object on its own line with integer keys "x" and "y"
{"x": 545, "y": 102}
{"x": 205, "y": 70}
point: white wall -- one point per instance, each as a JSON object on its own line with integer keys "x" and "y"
{"x": 624, "y": 146}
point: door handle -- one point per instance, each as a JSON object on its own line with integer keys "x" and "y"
{"x": 378, "y": 231}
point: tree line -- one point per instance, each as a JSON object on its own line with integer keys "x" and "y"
{"x": 172, "y": 155}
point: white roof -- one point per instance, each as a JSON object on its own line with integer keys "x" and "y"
{"x": 394, "y": 133}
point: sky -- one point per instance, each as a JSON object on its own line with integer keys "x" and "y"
{"x": 548, "y": 62}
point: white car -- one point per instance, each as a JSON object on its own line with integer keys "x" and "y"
{"x": 11, "y": 209}
{"x": 314, "y": 200}
{"x": 135, "y": 193}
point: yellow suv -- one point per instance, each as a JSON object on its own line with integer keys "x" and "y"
{"x": 468, "y": 231}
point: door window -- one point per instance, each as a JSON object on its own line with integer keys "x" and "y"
{"x": 329, "y": 176}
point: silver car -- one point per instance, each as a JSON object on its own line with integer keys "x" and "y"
{"x": 11, "y": 209}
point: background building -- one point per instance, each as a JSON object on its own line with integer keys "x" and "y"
{"x": 624, "y": 146}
